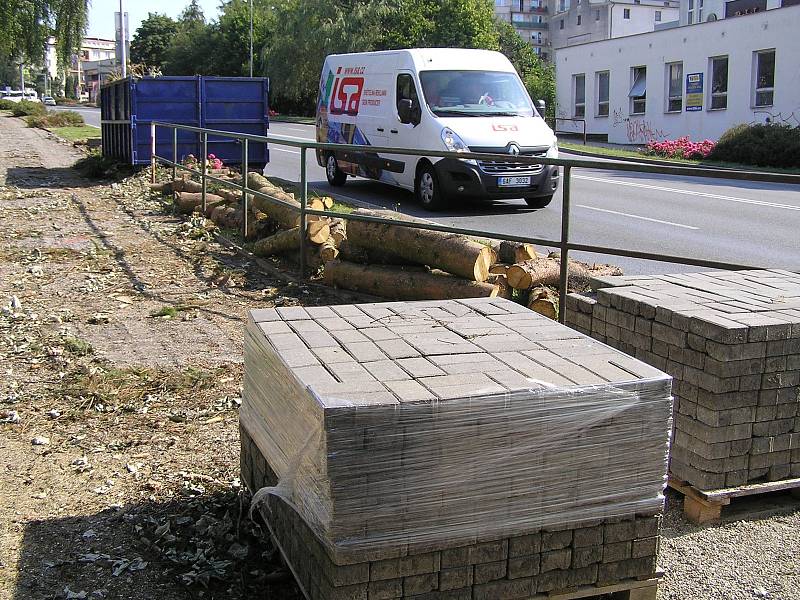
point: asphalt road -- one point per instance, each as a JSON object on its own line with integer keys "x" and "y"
{"x": 90, "y": 115}
{"x": 741, "y": 222}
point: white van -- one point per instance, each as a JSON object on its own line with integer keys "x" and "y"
{"x": 435, "y": 99}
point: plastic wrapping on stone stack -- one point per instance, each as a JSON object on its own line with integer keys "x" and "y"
{"x": 432, "y": 424}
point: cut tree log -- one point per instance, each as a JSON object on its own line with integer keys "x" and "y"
{"x": 449, "y": 252}
{"x": 328, "y": 202}
{"x": 403, "y": 283}
{"x": 338, "y": 231}
{"x": 368, "y": 256}
{"x": 186, "y": 202}
{"x": 318, "y": 232}
{"x": 498, "y": 269}
{"x": 515, "y": 252}
{"x": 287, "y": 216}
{"x": 283, "y": 241}
{"x": 501, "y": 281}
{"x": 328, "y": 250}
{"x": 544, "y": 301}
{"x": 186, "y": 185}
{"x": 542, "y": 271}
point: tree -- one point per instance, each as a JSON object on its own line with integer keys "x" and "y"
{"x": 25, "y": 26}
{"x": 152, "y": 40}
{"x": 189, "y": 53}
{"x": 232, "y": 56}
{"x": 538, "y": 76}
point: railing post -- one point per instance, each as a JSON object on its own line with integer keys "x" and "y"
{"x": 203, "y": 169}
{"x": 303, "y": 200}
{"x": 245, "y": 169}
{"x": 152, "y": 152}
{"x": 564, "y": 278}
{"x": 174, "y": 153}
{"x": 584, "y": 132}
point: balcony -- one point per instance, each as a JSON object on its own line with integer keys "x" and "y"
{"x": 538, "y": 10}
{"x": 528, "y": 25}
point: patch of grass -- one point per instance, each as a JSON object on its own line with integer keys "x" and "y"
{"x": 130, "y": 385}
{"x": 77, "y": 346}
{"x": 601, "y": 151}
{"x": 75, "y": 134}
{"x": 165, "y": 311}
{"x": 96, "y": 166}
{"x": 63, "y": 118}
{"x": 290, "y": 119}
{"x": 342, "y": 208}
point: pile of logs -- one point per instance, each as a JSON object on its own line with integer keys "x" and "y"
{"x": 394, "y": 260}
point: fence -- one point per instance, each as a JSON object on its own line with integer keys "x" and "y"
{"x": 583, "y": 121}
{"x": 564, "y": 243}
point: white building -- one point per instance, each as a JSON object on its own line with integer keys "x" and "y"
{"x": 702, "y": 11}
{"x": 580, "y": 21}
{"x": 697, "y": 80}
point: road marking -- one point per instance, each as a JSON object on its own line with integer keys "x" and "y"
{"x": 297, "y": 129}
{"x": 291, "y": 137}
{"x": 614, "y": 212}
{"x": 284, "y": 150}
{"x": 690, "y": 192}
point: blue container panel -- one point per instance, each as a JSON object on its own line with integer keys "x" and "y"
{"x": 240, "y": 105}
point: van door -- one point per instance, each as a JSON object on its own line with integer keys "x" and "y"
{"x": 405, "y": 135}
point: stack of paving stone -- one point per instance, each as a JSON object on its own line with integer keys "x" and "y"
{"x": 456, "y": 449}
{"x": 731, "y": 340}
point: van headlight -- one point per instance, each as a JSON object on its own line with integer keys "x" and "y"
{"x": 552, "y": 151}
{"x": 455, "y": 144}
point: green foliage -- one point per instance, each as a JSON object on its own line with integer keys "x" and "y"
{"x": 61, "y": 118}
{"x": 26, "y": 108}
{"x": 152, "y": 40}
{"x": 538, "y": 76}
{"x": 770, "y": 145}
{"x": 26, "y": 24}
{"x": 96, "y": 166}
{"x": 77, "y": 346}
{"x": 7, "y": 105}
{"x": 78, "y": 133}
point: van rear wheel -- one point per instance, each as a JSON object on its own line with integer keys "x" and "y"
{"x": 539, "y": 201}
{"x": 427, "y": 189}
{"x": 334, "y": 174}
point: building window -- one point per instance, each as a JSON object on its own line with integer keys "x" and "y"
{"x": 658, "y": 16}
{"x": 561, "y": 24}
{"x": 699, "y": 11}
{"x": 675, "y": 87}
{"x": 690, "y": 13}
{"x": 602, "y": 93}
{"x": 597, "y": 15}
{"x": 719, "y": 83}
{"x": 579, "y": 19}
{"x": 638, "y": 93}
{"x": 562, "y": 5}
{"x": 626, "y": 13}
{"x": 579, "y": 87}
{"x": 765, "y": 77}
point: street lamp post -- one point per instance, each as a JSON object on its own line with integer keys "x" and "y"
{"x": 122, "y": 51}
{"x": 251, "y": 36}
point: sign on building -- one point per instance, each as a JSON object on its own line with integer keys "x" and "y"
{"x": 694, "y": 92}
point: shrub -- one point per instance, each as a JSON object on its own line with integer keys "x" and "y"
{"x": 683, "y": 147}
{"x": 769, "y": 145}
{"x": 66, "y": 118}
{"x": 7, "y": 105}
{"x": 26, "y": 108}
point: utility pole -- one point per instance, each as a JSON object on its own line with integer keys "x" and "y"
{"x": 22, "y": 78}
{"x": 250, "y": 2}
{"x": 122, "y": 51}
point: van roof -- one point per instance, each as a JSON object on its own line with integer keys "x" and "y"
{"x": 463, "y": 59}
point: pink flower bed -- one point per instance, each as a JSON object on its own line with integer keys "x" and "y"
{"x": 683, "y": 147}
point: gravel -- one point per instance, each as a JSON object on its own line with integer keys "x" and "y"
{"x": 753, "y": 553}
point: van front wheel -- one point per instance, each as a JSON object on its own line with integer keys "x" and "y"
{"x": 427, "y": 189}
{"x": 334, "y": 174}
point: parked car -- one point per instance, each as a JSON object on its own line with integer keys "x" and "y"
{"x": 436, "y": 99}
{"x": 48, "y": 101}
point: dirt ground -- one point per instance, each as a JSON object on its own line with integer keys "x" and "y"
{"x": 119, "y": 447}
{"x": 120, "y": 378}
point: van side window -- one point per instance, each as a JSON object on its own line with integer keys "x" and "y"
{"x": 406, "y": 90}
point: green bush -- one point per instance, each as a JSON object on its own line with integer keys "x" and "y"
{"x": 26, "y": 108}
{"x": 7, "y": 105}
{"x": 65, "y": 118}
{"x": 770, "y": 145}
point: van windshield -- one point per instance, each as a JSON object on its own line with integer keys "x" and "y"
{"x": 475, "y": 94}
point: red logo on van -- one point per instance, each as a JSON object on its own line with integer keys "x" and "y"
{"x": 496, "y": 127}
{"x": 346, "y": 96}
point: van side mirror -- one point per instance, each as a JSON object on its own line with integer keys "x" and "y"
{"x": 540, "y": 106}
{"x": 407, "y": 112}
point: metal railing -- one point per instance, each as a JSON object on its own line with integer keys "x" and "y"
{"x": 564, "y": 243}
{"x": 575, "y": 120}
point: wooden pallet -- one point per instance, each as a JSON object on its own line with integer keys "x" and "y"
{"x": 626, "y": 590}
{"x": 705, "y": 506}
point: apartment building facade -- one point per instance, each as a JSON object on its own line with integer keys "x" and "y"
{"x": 697, "y": 80}
{"x": 530, "y": 20}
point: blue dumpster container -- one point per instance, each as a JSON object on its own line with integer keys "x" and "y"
{"x": 236, "y": 104}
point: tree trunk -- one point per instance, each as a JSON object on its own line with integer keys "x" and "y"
{"x": 318, "y": 232}
{"x": 283, "y": 241}
{"x": 338, "y": 231}
{"x": 498, "y": 269}
{"x": 186, "y": 202}
{"x": 186, "y": 185}
{"x": 368, "y": 256}
{"x": 542, "y": 271}
{"x": 515, "y": 252}
{"x": 543, "y": 301}
{"x": 287, "y": 217}
{"x": 328, "y": 202}
{"x": 403, "y": 283}
{"x": 450, "y": 252}
{"x": 328, "y": 250}
{"x": 501, "y": 281}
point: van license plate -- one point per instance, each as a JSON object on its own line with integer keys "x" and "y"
{"x": 513, "y": 181}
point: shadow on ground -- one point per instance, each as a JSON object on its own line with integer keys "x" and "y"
{"x": 32, "y": 178}
{"x": 201, "y": 547}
